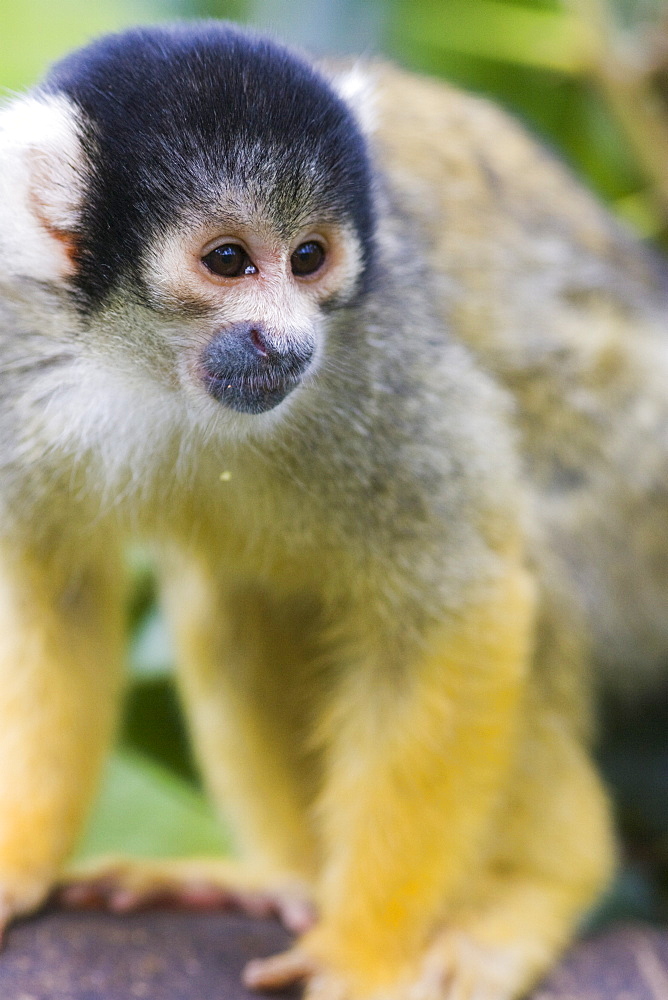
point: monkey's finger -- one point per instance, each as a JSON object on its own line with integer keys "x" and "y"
{"x": 273, "y": 973}
{"x": 111, "y": 895}
{"x": 182, "y": 897}
{"x": 296, "y": 913}
{"x": 121, "y": 891}
{"x": 102, "y": 893}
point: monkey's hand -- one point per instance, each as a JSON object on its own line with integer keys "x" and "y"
{"x": 456, "y": 967}
{"x": 125, "y": 884}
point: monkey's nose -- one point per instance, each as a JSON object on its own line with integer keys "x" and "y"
{"x": 258, "y": 342}
{"x": 247, "y": 369}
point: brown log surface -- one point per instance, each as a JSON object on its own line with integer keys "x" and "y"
{"x": 157, "y": 955}
{"x": 176, "y": 955}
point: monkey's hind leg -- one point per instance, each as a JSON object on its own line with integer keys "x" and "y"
{"x": 61, "y": 638}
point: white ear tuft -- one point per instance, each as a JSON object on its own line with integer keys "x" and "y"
{"x": 356, "y": 86}
{"x": 41, "y": 185}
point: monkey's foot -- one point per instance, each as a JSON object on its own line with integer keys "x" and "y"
{"x": 455, "y": 967}
{"x": 277, "y": 971}
{"x": 297, "y": 965}
{"x": 122, "y": 885}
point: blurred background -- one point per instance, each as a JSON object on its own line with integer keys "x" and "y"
{"x": 590, "y": 79}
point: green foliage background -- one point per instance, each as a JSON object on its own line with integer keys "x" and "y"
{"x": 529, "y": 54}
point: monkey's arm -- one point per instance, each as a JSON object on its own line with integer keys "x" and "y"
{"x": 453, "y": 862}
{"x": 61, "y": 634}
{"x": 246, "y": 674}
{"x": 244, "y": 662}
{"x": 416, "y": 767}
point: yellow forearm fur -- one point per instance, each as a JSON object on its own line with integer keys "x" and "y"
{"x": 415, "y": 779}
{"x": 60, "y": 657}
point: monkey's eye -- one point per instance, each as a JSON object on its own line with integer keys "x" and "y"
{"x": 307, "y": 258}
{"x": 229, "y": 261}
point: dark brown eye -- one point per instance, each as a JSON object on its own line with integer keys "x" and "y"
{"x": 307, "y": 258}
{"x": 229, "y": 261}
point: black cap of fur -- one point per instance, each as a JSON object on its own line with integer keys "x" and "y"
{"x": 175, "y": 116}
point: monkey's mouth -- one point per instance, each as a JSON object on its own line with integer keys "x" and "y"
{"x": 249, "y": 394}
{"x": 242, "y": 369}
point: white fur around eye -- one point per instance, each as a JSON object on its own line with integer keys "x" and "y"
{"x": 41, "y": 185}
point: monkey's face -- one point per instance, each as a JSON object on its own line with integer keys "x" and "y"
{"x": 262, "y": 301}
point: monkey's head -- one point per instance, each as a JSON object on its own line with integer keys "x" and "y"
{"x": 201, "y": 197}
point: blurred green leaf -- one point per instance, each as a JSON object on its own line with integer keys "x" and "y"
{"x": 33, "y": 33}
{"x": 144, "y": 809}
{"x": 547, "y": 39}
{"x": 640, "y": 212}
{"x": 153, "y": 726}
{"x": 531, "y": 56}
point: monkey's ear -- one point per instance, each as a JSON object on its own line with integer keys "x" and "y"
{"x": 356, "y": 85}
{"x": 41, "y": 186}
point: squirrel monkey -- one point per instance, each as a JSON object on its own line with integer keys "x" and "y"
{"x": 385, "y": 393}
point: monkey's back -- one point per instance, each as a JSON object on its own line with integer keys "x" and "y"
{"x": 569, "y": 313}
